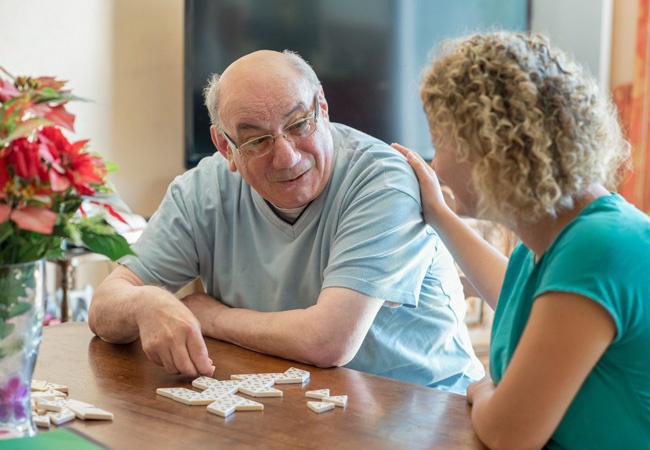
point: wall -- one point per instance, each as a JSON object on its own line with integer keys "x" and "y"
{"x": 580, "y": 27}
{"x": 124, "y": 55}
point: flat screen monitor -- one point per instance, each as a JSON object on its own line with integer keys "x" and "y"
{"x": 368, "y": 54}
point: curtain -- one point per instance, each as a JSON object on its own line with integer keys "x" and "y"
{"x": 633, "y": 102}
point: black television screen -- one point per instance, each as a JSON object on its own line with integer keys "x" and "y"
{"x": 367, "y": 53}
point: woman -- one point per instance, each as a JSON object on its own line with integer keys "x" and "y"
{"x": 523, "y": 137}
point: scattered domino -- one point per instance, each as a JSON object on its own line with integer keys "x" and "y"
{"x": 61, "y": 417}
{"x": 259, "y": 391}
{"x": 41, "y": 420}
{"x": 50, "y": 405}
{"x": 47, "y": 395}
{"x": 293, "y": 375}
{"x": 228, "y": 405}
{"x": 319, "y": 394}
{"x": 220, "y": 398}
{"x": 39, "y": 385}
{"x": 338, "y": 400}
{"x": 170, "y": 392}
{"x": 230, "y": 385}
{"x": 205, "y": 383}
{"x": 319, "y": 407}
{"x": 56, "y": 387}
{"x": 267, "y": 380}
{"x": 96, "y": 414}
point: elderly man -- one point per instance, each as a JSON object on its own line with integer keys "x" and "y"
{"x": 308, "y": 238}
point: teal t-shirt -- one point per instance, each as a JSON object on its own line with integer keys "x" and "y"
{"x": 604, "y": 254}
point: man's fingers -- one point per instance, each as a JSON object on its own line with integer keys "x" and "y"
{"x": 198, "y": 354}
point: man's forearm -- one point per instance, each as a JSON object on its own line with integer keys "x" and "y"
{"x": 112, "y": 315}
{"x": 326, "y": 334}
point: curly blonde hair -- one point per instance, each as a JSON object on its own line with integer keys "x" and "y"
{"x": 534, "y": 123}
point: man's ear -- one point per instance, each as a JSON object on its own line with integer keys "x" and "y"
{"x": 324, "y": 112}
{"x": 222, "y": 145}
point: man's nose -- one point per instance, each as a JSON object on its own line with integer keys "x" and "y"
{"x": 285, "y": 155}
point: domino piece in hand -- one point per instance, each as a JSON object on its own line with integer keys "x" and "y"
{"x": 319, "y": 394}
{"x": 225, "y": 406}
{"x": 338, "y": 400}
{"x": 319, "y": 407}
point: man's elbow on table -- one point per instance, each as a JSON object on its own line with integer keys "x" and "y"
{"x": 327, "y": 351}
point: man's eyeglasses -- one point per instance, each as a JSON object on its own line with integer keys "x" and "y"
{"x": 294, "y": 132}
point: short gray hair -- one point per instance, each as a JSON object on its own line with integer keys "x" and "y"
{"x": 211, "y": 90}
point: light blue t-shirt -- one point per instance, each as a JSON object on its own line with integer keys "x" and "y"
{"x": 364, "y": 232}
{"x": 603, "y": 254}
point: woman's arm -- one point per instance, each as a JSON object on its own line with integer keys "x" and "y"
{"x": 565, "y": 337}
{"x": 483, "y": 265}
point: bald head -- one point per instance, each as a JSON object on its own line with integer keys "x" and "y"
{"x": 256, "y": 74}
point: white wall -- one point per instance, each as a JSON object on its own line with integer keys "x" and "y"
{"x": 125, "y": 55}
{"x": 580, "y": 27}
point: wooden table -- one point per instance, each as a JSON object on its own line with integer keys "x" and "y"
{"x": 381, "y": 412}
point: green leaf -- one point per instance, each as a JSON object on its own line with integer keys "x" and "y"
{"x": 24, "y": 129}
{"x": 113, "y": 245}
{"x": 6, "y": 231}
{"x": 19, "y": 308}
{"x": 6, "y": 329}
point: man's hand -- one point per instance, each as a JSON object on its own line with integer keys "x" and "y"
{"x": 123, "y": 309}
{"x": 171, "y": 337}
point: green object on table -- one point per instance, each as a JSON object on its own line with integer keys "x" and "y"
{"x": 58, "y": 439}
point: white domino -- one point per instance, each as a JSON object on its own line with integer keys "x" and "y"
{"x": 190, "y": 397}
{"x": 293, "y": 375}
{"x": 61, "y": 417}
{"x": 267, "y": 380}
{"x": 320, "y": 407}
{"x": 259, "y": 390}
{"x": 338, "y": 400}
{"x": 39, "y": 385}
{"x": 41, "y": 420}
{"x": 205, "y": 383}
{"x": 319, "y": 394}
{"x": 56, "y": 387}
{"x": 170, "y": 392}
{"x": 96, "y": 414}
{"x": 227, "y": 405}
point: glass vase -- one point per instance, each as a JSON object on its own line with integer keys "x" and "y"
{"x": 22, "y": 292}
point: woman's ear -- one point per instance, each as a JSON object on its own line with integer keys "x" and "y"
{"x": 221, "y": 143}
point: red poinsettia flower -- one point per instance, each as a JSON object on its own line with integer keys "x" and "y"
{"x": 7, "y": 90}
{"x": 44, "y": 177}
{"x": 81, "y": 169}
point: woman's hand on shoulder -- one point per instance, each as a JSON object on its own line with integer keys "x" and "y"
{"x": 434, "y": 205}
